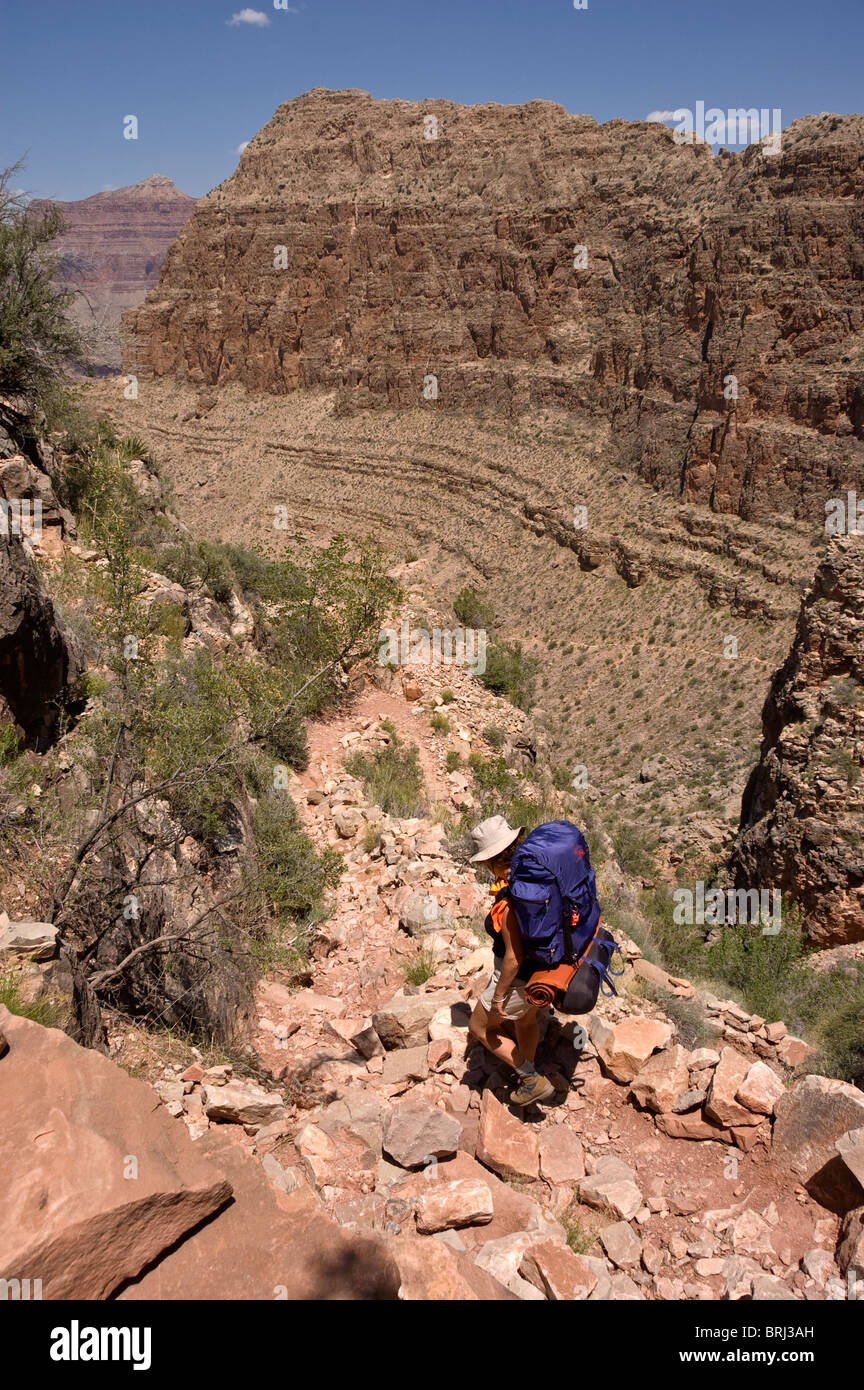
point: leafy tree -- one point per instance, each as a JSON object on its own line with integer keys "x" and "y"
{"x": 37, "y": 339}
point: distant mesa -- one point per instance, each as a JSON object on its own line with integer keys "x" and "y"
{"x": 113, "y": 251}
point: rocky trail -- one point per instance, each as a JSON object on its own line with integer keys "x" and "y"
{"x": 656, "y": 1173}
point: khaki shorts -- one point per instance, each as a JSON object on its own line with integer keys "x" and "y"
{"x": 517, "y": 1002}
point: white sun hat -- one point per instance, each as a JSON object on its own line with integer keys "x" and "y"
{"x": 492, "y": 837}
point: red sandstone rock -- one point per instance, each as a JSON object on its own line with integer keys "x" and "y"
{"x": 554, "y": 1269}
{"x": 504, "y": 1143}
{"x": 98, "y": 1179}
{"x": 729, "y": 1074}
{"x": 625, "y": 1047}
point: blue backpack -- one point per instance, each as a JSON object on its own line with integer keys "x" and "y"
{"x": 552, "y": 888}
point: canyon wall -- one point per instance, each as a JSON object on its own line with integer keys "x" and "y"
{"x": 352, "y": 253}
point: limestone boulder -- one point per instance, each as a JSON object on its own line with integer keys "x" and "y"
{"x": 505, "y": 1143}
{"x": 624, "y": 1048}
{"x": 404, "y": 1020}
{"x": 809, "y": 1120}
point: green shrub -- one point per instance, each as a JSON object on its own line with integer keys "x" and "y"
{"x": 454, "y": 759}
{"x": 392, "y": 777}
{"x": 447, "y": 697}
{"x": 495, "y": 736}
{"x": 9, "y": 747}
{"x": 48, "y": 1011}
{"x": 846, "y": 765}
{"x": 421, "y": 968}
{"x": 287, "y": 877}
{"x": 37, "y": 339}
{"x": 511, "y": 672}
{"x": 580, "y": 1237}
{"x": 440, "y": 723}
{"x": 133, "y": 447}
{"x": 216, "y": 570}
{"x": 634, "y": 850}
{"x": 492, "y": 775}
{"x": 170, "y": 621}
{"x": 473, "y": 610}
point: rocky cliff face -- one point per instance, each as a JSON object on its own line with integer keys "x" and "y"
{"x": 39, "y": 659}
{"x": 526, "y": 256}
{"x": 803, "y": 811}
{"x": 113, "y": 250}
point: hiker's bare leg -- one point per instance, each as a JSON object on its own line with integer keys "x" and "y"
{"x": 492, "y": 1040}
{"x": 527, "y": 1037}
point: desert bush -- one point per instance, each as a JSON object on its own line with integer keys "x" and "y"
{"x": 473, "y": 610}
{"x": 37, "y": 339}
{"x": 286, "y": 876}
{"x": 421, "y": 968}
{"x": 46, "y": 1010}
{"x": 511, "y": 672}
{"x": 634, "y": 850}
{"x": 495, "y": 736}
{"x": 392, "y": 777}
{"x": 9, "y": 746}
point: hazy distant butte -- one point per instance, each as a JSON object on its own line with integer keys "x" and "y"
{"x": 113, "y": 251}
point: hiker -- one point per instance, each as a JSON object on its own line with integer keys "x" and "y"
{"x": 504, "y": 998}
{"x": 549, "y": 945}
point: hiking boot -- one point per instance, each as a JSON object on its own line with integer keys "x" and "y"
{"x": 531, "y": 1089}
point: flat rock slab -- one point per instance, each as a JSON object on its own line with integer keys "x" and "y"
{"x": 502, "y": 1259}
{"x": 730, "y": 1075}
{"x": 808, "y": 1121}
{"x": 513, "y": 1211}
{"x": 612, "y": 1186}
{"x": 268, "y": 1245}
{"x": 241, "y": 1103}
{"x": 406, "y": 1064}
{"x": 35, "y": 939}
{"x": 505, "y": 1143}
{"x": 561, "y": 1156}
{"x": 694, "y": 1125}
{"x": 559, "y": 1274}
{"x": 850, "y": 1147}
{"x": 98, "y": 1180}
{"x": 432, "y": 1272}
{"x": 404, "y": 1020}
{"x": 413, "y": 1138}
{"x": 621, "y": 1244}
{"x": 448, "y": 1205}
{"x": 761, "y": 1089}
{"x": 664, "y": 1077}
{"x": 624, "y": 1048}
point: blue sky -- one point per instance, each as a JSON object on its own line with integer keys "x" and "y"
{"x": 201, "y": 85}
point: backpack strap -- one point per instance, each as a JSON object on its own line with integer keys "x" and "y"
{"x": 567, "y": 926}
{"x": 603, "y": 968}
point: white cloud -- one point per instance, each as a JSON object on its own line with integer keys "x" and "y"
{"x": 248, "y": 16}
{"x": 663, "y": 115}
{"x": 241, "y": 147}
